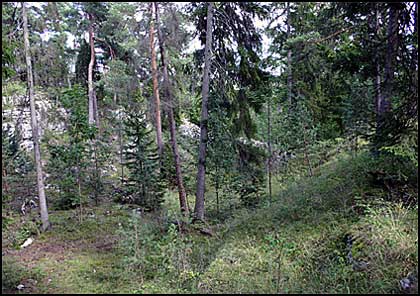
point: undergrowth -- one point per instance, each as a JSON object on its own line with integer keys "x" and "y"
{"x": 350, "y": 228}
{"x": 297, "y": 243}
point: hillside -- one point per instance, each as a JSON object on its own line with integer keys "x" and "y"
{"x": 332, "y": 233}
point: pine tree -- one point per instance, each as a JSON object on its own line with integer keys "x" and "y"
{"x": 144, "y": 185}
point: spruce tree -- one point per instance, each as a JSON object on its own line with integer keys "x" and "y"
{"x": 145, "y": 185}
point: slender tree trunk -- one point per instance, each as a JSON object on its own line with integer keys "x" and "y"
{"x": 119, "y": 137}
{"x": 270, "y": 153}
{"x": 217, "y": 191}
{"x": 171, "y": 119}
{"x": 201, "y": 174}
{"x": 414, "y": 60}
{"x": 68, "y": 80}
{"x": 93, "y": 116}
{"x": 289, "y": 60}
{"x": 121, "y": 153}
{"x": 155, "y": 85}
{"x": 91, "y": 91}
{"x": 96, "y": 110}
{"x": 305, "y": 146}
{"x": 79, "y": 190}
{"x": 378, "y": 82}
{"x": 97, "y": 173}
{"x": 38, "y": 161}
{"x": 378, "y": 67}
{"x": 4, "y": 177}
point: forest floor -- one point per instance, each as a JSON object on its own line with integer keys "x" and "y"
{"x": 72, "y": 256}
{"x": 317, "y": 236}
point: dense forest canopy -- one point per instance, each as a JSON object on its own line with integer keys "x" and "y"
{"x": 183, "y": 137}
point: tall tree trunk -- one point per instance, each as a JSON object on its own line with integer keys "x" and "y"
{"x": 378, "y": 66}
{"x": 121, "y": 152}
{"x": 34, "y": 124}
{"x": 270, "y": 153}
{"x": 289, "y": 60}
{"x": 91, "y": 91}
{"x": 217, "y": 190}
{"x": 93, "y": 116}
{"x": 384, "y": 99}
{"x": 171, "y": 119}
{"x": 155, "y": 85}
{"x": 79, "y": 190}
{"x": 414, "y": 60}
{"x": 392, "y": 44}
{"x": 201, "y": 174}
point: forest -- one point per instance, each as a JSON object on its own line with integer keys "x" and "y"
{"x": 209, "y": 147}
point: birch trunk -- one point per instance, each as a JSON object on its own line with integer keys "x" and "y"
{"x": 34, "y": 125}
{"x": 91, "y": 91}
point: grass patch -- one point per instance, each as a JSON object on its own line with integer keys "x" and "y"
{"x": 13, "y": 274}
{"x": 297, "y": 244}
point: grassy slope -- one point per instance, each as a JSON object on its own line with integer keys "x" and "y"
{"x": 296, "y": 244}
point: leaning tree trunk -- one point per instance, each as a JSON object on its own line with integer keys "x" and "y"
{"x": 155, "y": 86}
{"x": 34, "y": 125}
{"x": 171, "y": 119}
{"x": 201, "y": 174}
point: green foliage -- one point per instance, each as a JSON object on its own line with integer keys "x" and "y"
{"x": 144, "y": 185}
{"x": 327, "y": 189}
{"x": 407, "y": 148}
{"x": 7, "y": 58}
{"x": 297, "y": 244}
{"x": 116, "y": 79}
{"x": 13, "y": 274}
{"x": 168, "y": 171}
{"x": 222, "y": 156}
{"x": 250, "y": 175}
{"x": 16, "y": 161}
{"x": 8, "y": 44}
{"x": 26, "y": 230}
{"x": 69, "y": 153}
{"x": 17, "y": 167}
{"x": 82, "y": 63}
{"x": 164, "y": 258}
